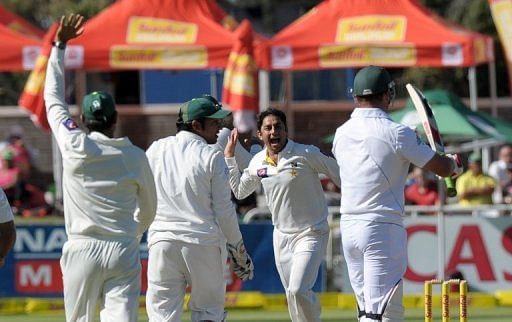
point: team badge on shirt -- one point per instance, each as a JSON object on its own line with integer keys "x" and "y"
{"x": 70, "y": 124}
{"x": 262, "y": 173}
{"x": 294, "y": 172}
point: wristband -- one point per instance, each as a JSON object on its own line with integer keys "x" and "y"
{"x": 59, "y": 44}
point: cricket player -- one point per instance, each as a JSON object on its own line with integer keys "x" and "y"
{"x": 109, "y": 198}
{"x": 289, "y": 173}
{"x": 374, "y": 155}
{"x": 7, "y": 229}
{"x": 194, "y": 213}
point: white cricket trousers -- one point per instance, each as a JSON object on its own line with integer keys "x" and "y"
{"x": 298, "y": 258}
{"x": 174, "y": 264}
{"x": 108, "y": 271}
{"x": 376, "y": 256}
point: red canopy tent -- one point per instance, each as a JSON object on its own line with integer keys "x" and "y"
{"x": 352, "y": 33}
{"x": 18, "y": 24}
{"x": 155, "y": 34}
{"x": 18, "y": 52}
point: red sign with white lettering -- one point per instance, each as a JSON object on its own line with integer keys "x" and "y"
{"x": 38, "y": 276}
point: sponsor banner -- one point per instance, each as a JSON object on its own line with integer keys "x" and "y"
{"x": 29, "y": 56}
{"x": 380, "y": 28}
{"x": 181, "y": 57}
{"x": 74, "y": 56}
{"x": 501, "y": 11}
{"x": 480, "y": 248}
{"x": 349, "y": 56}
{"x": 155, "y": 30}
{"x": 282, "y": 57}
{"x": 452, "y": 54}
{"x": 32, "y": 268}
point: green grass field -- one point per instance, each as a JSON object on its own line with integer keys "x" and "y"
{"x": 500, "y": 314}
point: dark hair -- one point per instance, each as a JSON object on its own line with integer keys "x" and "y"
{"x": 272, "y": 111}
{"x": 182, "y": 126}
{"x": 100, "y": 125}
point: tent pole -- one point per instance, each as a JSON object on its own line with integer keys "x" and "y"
{"x": 472, "y": 88}
{"x": 264, "y": 88}
{"x": 288, "y": 97}
{"x": 213, "y": 83}
{"x": 493, "y": 88}
{"x": 80, "y": 86}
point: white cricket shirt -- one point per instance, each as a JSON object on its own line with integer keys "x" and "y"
{"x": 194, "y": 201}
{"x": 5, "y": 209}
{"x": 108, "y": 187}
{"x": 294, "y": 194}
{"x": 374, "y": 154}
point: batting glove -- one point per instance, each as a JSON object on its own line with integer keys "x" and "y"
{"x": 241, "y": 262}
{"x": 457, "y": 168}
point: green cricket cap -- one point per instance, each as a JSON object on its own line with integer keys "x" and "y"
{"x": 372, "y": 80}
{"x": 98, "y": 106}
{"x": 202, "y": 107}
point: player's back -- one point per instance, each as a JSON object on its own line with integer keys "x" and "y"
{"x": 101, "y": 182}
{"x": 183, "y": 168}
{"x": 371, "y": 168}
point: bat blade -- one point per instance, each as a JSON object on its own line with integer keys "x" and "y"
{"x": 429, "y": 124}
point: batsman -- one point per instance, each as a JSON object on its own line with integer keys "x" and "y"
{"x": 374, "y": 154}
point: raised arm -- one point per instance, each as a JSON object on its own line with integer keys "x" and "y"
{"x": 71, "y": 26}
{"x": 244, "y": 184}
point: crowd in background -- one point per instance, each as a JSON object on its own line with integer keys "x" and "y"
{"x": 16, "y": 171}
{"x": 475, "y": 186}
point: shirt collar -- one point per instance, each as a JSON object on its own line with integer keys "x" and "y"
{"x": 100, "y": 137}
{"x": 286, "y": 150}
{"x": 189, "y": 136}
{"x": 369, "y": 112}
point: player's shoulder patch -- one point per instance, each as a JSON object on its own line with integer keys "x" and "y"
{"x": 70, "y": 124}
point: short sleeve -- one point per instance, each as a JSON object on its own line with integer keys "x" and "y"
{"x": 412, "y": 148}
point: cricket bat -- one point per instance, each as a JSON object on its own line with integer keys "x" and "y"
{"x": 429, "y": 124}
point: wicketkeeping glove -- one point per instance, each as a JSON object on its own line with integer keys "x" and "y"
{"x": 241, "y": 262}
{"x": 458, "y": 169}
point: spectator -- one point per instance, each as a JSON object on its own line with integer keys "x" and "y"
{"x": 498, "y": 170}
{"x": 423, "y": 191}
{"x": 507, "y": 188}
{"x": 473, "y": 186}
{"x": 26, "y": 199}
{"x": 21, "y": 155}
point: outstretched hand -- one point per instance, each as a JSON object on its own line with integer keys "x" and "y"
{"x": 71, "y": 26}
{"x": 229, "y": 151}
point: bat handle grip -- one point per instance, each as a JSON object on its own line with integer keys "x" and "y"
{"x": 450, "y": 187}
